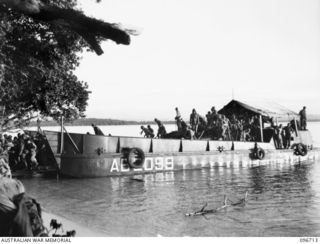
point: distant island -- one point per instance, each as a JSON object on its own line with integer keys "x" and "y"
{"x": 311, "y": 118}
{"x": 90, "y": 121}
{"x": 314, "y": 117}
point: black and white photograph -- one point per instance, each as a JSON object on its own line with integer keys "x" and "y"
{"x": 161, "y": 119}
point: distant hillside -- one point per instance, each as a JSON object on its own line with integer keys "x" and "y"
{"x": 314, "y": 117}
{"x": 310, "y": 117}
{"x": 89, "y": 121}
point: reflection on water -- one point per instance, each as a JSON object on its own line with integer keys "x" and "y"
{"x": 283, "y": 201}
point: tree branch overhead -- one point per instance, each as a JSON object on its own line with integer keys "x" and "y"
{"x": 90, "y": 29}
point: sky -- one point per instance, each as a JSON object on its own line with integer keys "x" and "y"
{"x": 202, "y": 53}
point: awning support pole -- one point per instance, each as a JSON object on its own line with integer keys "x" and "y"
{"x": 261, "y": 127}
{"x": 61, "y": 141}
{"x": 296, "y": 125}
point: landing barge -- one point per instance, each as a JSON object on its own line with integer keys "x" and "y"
{"x": 85, "y": 155}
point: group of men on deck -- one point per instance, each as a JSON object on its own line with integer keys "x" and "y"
{"x": 216, "y": 126}
{"x": 149, "y": 132}
{"x": 282, "y": 135}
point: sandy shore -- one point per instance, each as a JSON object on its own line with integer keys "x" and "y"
{"x": 69, "y": 225}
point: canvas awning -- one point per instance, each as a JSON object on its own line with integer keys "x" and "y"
{"x": 264, "y": 108}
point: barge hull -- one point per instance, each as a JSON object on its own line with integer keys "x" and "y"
{"x": 99, "y": 156}
{"x": 114, "y": 165}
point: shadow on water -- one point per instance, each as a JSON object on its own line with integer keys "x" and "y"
{"x": 283, "y": 201}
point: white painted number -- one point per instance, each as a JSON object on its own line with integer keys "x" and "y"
{"x": 150, "y": 164}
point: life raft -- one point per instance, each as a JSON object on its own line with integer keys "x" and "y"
{"x": 259, "y": 153}
{"x": 134, "y": 157}
{"x": 300, "y": 149}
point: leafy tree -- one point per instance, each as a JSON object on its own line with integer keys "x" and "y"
{"x": 37, "y": 63}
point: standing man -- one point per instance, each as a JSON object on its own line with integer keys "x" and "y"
{"x": 178, "y": 119}
{"x": 194, "y": 121}
{"x": 214, "y": 116}
{"x": 286, "y": 136}
{"x": 303, "y": 118}
{"x": 280, "y": 141}
{"x": 209, "y": 118}
{"x": 32, "y": 153}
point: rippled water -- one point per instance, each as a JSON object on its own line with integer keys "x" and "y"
{"x": 283, "y": 201}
